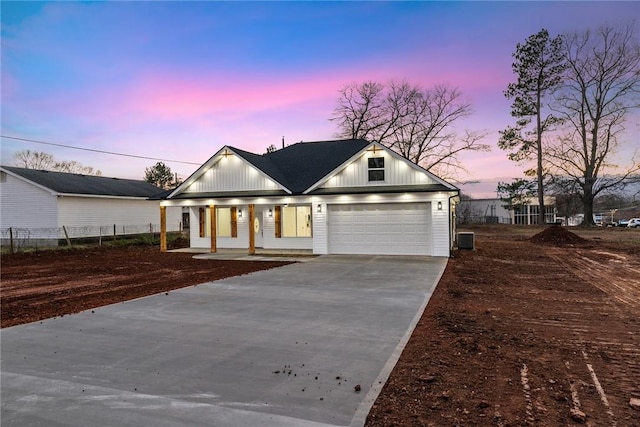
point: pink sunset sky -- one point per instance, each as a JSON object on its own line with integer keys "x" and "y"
{"x": 179, "y": 80}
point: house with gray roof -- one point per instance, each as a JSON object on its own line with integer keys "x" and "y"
{"x": 36, "y": 204}
{"x": 328, "y": 197}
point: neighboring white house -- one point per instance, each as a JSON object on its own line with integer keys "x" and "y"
{"x": 329, "y": 197}
{"x": 36, "y": 204}
{"x": 493, "y": 211}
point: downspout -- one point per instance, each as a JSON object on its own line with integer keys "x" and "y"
{"x": 451, "y": 229}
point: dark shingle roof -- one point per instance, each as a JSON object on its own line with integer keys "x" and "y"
{"x": 70, "y": 183}
{"x": 301, "y": 165}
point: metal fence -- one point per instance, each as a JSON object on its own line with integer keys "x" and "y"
{"x": 482, "y": 219}
{"x": 15, "y": 238}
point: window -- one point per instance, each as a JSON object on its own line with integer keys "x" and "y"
{"x": 376, "y": 168}
{"x": 3, "y": 177}
{"x": 226, "y": 222}
{"x": 533, "y": 214}
{"x": 295, "y": 221}
{"x": 223, "y": 222}
{"x": 549, "y": 214}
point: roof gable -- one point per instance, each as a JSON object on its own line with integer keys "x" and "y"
{"x": 292, "y": 169}
{"x": 71, "y": 183}
{"x": 299, "y": 169}
{"x": 229, "y": 170}
{"x": 398, "y": 171}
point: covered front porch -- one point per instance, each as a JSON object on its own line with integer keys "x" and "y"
{"x": 250, "y": 227}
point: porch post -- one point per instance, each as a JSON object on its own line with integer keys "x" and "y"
{"x": 213, "y": 231}
{"x": 163, "y": 228}
{"x": 252, "y": 233}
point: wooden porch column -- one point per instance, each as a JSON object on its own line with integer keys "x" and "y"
{"x": 213, "y": 231}
{"x": 163, "y": 229}
{"x": 252, "y": 233}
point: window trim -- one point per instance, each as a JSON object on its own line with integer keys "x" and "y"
{"x": 279, "y": 222}
{"x": 373, "y": 170}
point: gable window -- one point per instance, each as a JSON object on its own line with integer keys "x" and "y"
{"x": 376, "y": 168}
{"x": 295, "y": 221}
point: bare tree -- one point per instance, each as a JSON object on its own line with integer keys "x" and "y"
{"x": 601, "y": 87}
{"x": 416, "y": 123}
{"x": 34, "y": 160}
{"x": 74, "y": 167}
{"x": 44, "y": 161}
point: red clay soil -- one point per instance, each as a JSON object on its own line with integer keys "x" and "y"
{"x": 558, "y": 236}
{"x": 515, "y": 334}
{"x": 43, "y": 284}
{"x": 520, "y": 334}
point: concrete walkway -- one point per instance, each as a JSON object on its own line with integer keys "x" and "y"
{"x": 283, "y": 347}
{"x": 260, "y": 254}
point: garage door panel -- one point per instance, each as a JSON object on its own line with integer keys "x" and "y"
{"x": 380, "y": 229}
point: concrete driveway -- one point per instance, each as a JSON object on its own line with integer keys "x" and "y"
{"x": 284, "y": 347}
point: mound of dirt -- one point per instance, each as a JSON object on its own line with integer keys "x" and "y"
{"x": 557, "y": 236}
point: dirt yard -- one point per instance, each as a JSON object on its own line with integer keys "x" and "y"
{"x": 518, "y": 332}
{"x": 45, "y": 284}
{"x": 521, "y": 333}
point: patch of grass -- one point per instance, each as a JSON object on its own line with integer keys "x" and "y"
{"x": 175, "y": 240}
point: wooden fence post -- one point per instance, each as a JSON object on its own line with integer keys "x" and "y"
{"x": 11, "y": 248}
{"x": 66, "y": 235}
{"x": 114, "y": 232}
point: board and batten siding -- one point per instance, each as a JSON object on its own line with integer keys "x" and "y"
{"x": 107, "y": 211}
{"x": 440, "y": 228}
{"x": 240, "y": 242}
{"x": 231, "y": 174}
{"x": 396, "y": 172}
{"x": 25, "y": 205}
{"x": 320, "y": 232}
{"x": 270, "y": 241}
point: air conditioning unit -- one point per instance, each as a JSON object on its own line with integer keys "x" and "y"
{"x": 465, "y": 240}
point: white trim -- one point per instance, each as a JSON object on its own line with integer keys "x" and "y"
{"x": 35, "y": 184}
{"x": 104, "y": 196}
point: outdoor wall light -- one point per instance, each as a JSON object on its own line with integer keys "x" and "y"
{"x": 319, "y": 209}
{"x": 239, "y": 213}
{"x": 439, "y": 206}
{"x": 270, "y": 213}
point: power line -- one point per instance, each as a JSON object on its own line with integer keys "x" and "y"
{"x": 97, "y": 151}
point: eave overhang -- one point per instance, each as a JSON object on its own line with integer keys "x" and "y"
{"x": 426, "y": 188}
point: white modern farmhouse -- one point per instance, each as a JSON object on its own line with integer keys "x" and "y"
{"x": 330, "y": 197}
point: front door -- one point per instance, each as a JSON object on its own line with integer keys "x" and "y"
{"x": 257, "y": 229}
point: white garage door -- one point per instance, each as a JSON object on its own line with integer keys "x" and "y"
{"x": 397, "y": 229}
